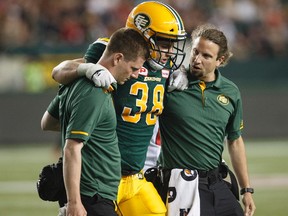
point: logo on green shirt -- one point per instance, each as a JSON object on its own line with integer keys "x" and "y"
{"x": 223, "y": 99}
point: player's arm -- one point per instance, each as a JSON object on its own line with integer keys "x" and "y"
{"x": 49, "y": 123}
{"x": 66, "y": 71}
{"x": 69, "y": 70}
{"x": 237, "y": 153}
{"x": 72, "y": 173}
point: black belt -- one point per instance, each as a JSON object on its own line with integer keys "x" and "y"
{"x": 209, "y": 177}
{"x": 128, "y": 173}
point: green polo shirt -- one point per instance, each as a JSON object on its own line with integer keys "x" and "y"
{"x": 195, "y": 122}
{"x": 87, "y": 113}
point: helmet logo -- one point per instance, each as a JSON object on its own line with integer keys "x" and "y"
{"x": 141, "y": 21}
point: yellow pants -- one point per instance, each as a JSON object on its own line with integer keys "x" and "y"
{"x": 137, "y": 197}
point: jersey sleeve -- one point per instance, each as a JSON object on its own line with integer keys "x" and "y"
{"x": 235, "y": 124}
{"x": 95, "y": 50}
{"x": 53, "y": 107}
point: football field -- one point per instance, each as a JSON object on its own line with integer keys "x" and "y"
{"x": 20, "y": 166}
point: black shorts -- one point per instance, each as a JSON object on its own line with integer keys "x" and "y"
{"x": 98, "y": 206}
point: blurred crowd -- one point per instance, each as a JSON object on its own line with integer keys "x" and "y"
{"x": 254, "y": 27}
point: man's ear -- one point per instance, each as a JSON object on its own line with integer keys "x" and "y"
{"x": 118, "y": 57}
{"x": 220, "y": 61}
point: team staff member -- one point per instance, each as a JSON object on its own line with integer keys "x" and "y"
{"x": 92, "y": 163}
{"x": 196, "y": 121}
{"x": 138, "y": 101}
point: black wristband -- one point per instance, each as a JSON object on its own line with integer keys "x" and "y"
{"x": 245, "y": 190}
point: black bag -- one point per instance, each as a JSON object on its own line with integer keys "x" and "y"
{"x": 50, "y": 185}
{"x": 159, "y": 177}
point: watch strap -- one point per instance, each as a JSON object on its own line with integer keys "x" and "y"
{"x": 246, "y": 190}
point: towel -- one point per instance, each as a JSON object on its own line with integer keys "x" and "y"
{"x": 183, "y": 194}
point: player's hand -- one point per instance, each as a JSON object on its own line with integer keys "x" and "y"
{"x": 178, "y": 80}
{"x": 100, "y": 75}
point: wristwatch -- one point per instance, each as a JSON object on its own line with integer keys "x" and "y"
{"x": 245, "y": 190}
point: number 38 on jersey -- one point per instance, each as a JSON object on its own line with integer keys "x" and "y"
{"x": 150, "y": 104}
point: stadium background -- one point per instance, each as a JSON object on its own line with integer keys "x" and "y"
{"x": 37, "y": 35}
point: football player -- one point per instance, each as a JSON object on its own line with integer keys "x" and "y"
{"x": 139, "y": 101}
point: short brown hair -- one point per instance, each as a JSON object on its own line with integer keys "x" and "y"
{"x": 130, "y": 43}
{"x": 212, "y": 33}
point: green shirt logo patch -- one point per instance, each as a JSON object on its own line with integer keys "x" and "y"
{"x": 223, "y": 99}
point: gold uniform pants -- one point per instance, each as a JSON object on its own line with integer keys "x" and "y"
{"x": 137, "y": 197}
